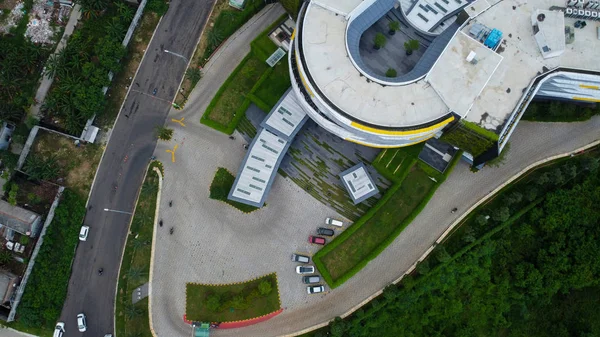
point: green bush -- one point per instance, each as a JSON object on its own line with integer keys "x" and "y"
{"x": 46, "y": 289}
{"x": 559, "y": 112}
{"x": 391, "y": 73}
{"x": 264, "y": 287}
{"x": 159, "y": 7}
{"x": 379, "y": 41}
{"x": 12, "y": 194}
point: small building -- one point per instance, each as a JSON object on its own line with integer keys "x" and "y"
{"x": 8, "y": 285}
{"x": 359, "y": 183}
{"x": 16, "y": 219}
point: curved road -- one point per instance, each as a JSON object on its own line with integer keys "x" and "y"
{"x": 122, "y": 167}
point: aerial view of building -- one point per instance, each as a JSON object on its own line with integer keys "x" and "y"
{"x": 479, "y": 62}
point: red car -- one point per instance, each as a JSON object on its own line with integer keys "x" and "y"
{"x": 317, "y": 240}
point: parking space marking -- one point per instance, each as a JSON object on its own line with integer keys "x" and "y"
{"x": 180, "y": 121}
{"x": 173, "y": 152}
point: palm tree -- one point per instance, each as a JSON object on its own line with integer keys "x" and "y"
{"x": 131, "y": 311}
{"x": 164, "y": 133}
{"x": 194, "y": 75}
{"x": 135, "y": 273}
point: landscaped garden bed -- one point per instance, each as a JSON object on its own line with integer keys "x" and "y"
{"x": 395, "y": 163}
{"x": 232, "y": 302}
{"x": 223, "y": 22}
{"x": 133, "y": 319}
{"x": 348, "y": 253}
{"x": 220, "y": 187}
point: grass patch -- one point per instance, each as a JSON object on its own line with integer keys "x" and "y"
{"x": 470, "y": 138}
{"x": 229, "y": 104}
{"x": 132, "y": 319}
{"x": 395, "y": 163}
{"x": 276, "y": 83}
{"x": 560, "y": 112}
{"x": 76, "y": 164}
{"x": 373, "y": 231}
{"x": 222, "y": 23}
{"x": 232, "y": 302}
{"x": 220, "y": 187}
{"x": 47, "y": 286}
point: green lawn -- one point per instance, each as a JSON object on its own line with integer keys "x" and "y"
{"x": 230, "y": 103}
{"x": 275, "y": 85}
{"x": 231, "y": 302}
{"x": 395, "y": 163}
{"x": 220, "y": 187}
{"x": 376, "y": 230}
{"x": 132, "y": 320}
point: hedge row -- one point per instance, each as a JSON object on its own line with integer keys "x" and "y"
{"x": 348, "y": 232}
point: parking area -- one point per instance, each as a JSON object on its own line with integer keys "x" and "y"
{"x": 213, "y": 242}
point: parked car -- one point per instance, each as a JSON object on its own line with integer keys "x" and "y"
{"x": 300, "y": 258}
{"x": 59, "y": 329}
{"x": 317, "y": 240}
{"x": 83, "y": 232}
{"x": 325, "y": 231}
{"x": 311, "y": 279}
{"x": 305, "y": 270}
{"x": 333, "y": 222}
{"x": 81, "y": 323}
{"x": 315, "y": 289}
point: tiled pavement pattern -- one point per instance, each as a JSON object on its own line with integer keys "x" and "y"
{"x": 215, "y": 243}
{"x": 393, "y": 55}
{"x": 315, "y": 160}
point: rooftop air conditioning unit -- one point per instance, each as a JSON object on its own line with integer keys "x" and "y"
{"x": 580, "y": 3}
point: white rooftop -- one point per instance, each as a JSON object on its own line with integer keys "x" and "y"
{"x": 358, "y": 182}
{"x": 343, "y": 7}
{"x": 458, "y": 81}
{"x": 551, "y": 35}
{"x": 333, "y": 71}
{"x": 257, "y": 173}
{"x": 428, "y": 13}
{"x": 285, "y": 117}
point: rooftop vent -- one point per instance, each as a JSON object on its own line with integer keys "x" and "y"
{"x": 541, "y": 17}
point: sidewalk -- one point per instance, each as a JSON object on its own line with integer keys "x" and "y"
{"x": 40, "y": 95}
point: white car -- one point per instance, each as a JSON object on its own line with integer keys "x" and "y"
{"x": 59, "y": 329}
{"x": 81, "y": 323}
{"x": 315, "y": 289}
{"x": 305, "y": 270}
{"x": 334, "y": 222}
{"x": 83, "y": 232}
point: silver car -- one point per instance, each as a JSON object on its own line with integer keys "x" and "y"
{"x": 315, "y": 289}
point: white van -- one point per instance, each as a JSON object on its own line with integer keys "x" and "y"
{"x": 333, "y": 222}
{"x": 59, "y": 330}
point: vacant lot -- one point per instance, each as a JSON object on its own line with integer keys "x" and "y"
{"x": 71, "y": 165}
{"x": 376, "y": 230}
{"x": 232, "y": 302}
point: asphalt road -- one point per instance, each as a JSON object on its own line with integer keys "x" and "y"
{"x": 122, "y": 167}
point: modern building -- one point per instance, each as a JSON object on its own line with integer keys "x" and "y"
{"x": 477, "y": 63}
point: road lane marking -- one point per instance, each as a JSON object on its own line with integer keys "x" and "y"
{"x": 180, "y": 121}
{"x": 173, "y": 152}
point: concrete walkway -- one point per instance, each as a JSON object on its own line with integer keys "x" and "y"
{"x": 46, "y": 82}
{"x": 225, "y": 60}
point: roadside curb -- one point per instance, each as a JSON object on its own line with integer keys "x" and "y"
{"x": 119, "y": 114}
{"x": 450, "y": 229}
{"x": 160, "y": 182}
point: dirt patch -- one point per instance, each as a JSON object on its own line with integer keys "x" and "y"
{"x": 76, "y": 163}
{"x": 34, "y": 196}
{"x": 8, "y": 4}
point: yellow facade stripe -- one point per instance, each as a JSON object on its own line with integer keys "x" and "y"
{"x": 384, "y": 146}
{"x": 302, "y": 78}
{"x": 293, "y": 35}
{"x": 586, "y": 86}
{"x": 401, "y": 133}
{"x": 587, "y": 99}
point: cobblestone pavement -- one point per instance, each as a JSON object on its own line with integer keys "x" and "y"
{"x": 214, "y": 242}
{"x": 530, "y": 142}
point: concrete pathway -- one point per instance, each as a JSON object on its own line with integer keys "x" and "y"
{"x": 139, "y": 293}
{"x": 46, "y": 82}
{"x": 215, "y": 243}
{"x": 8, "y": 332}
{"x": 225, "y": 60}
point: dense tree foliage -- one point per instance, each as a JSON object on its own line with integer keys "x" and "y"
{"x": 538, "y": 276}
{"x": 81, "y": 69}
{"x": 47, "y": 286}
